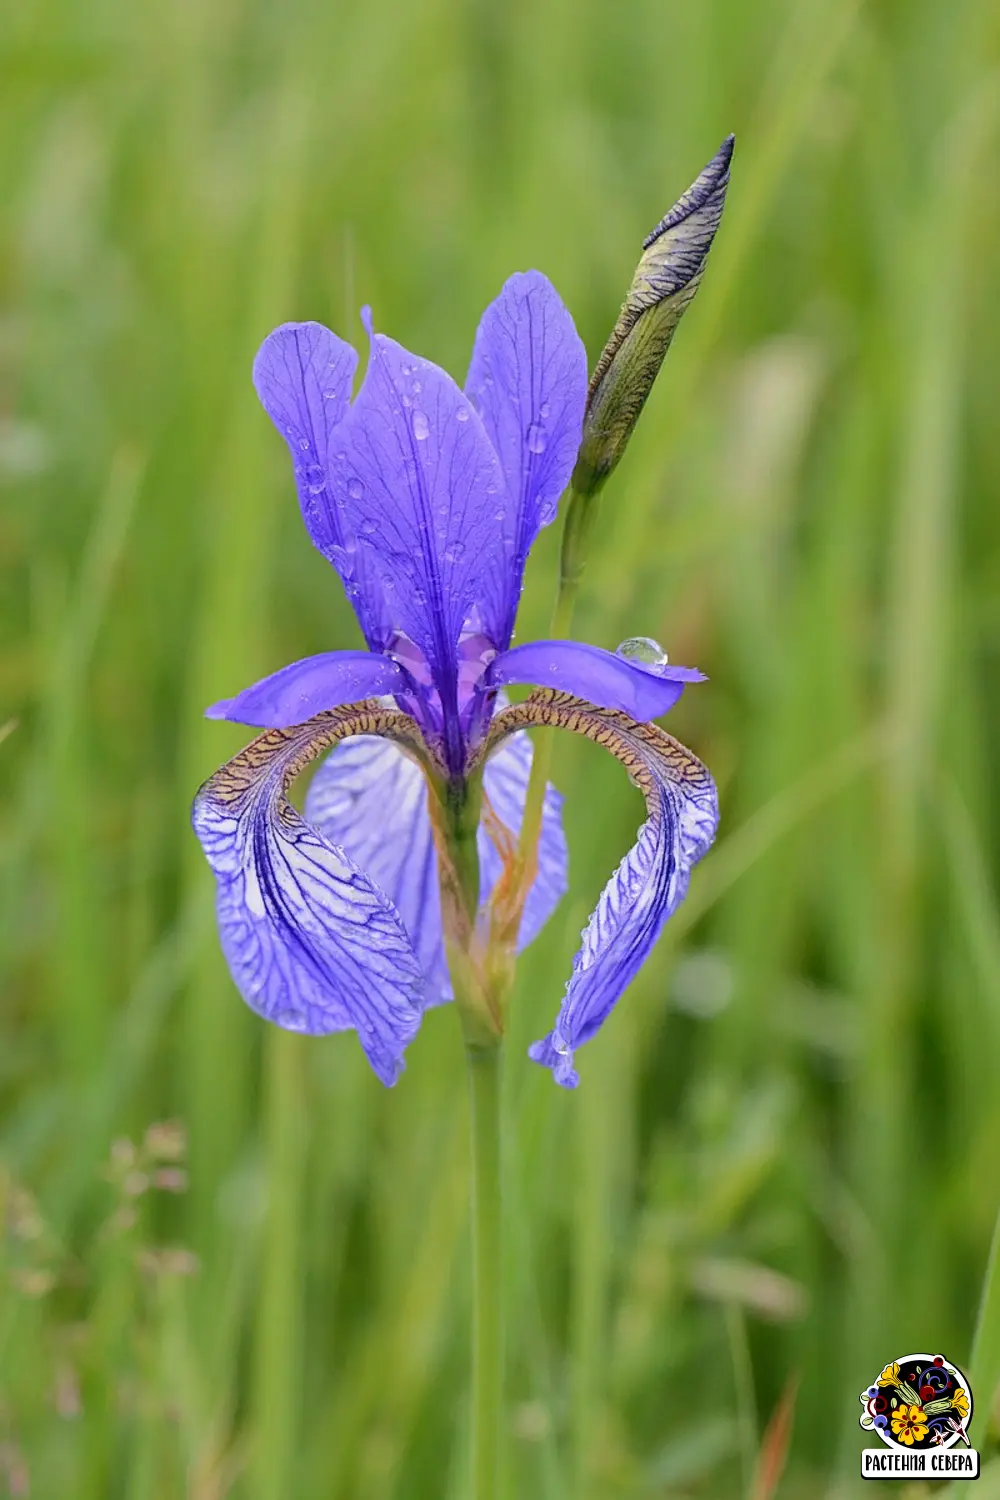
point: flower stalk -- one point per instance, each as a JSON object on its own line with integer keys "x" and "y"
{"x": 485, "y": 1069}
{"x": 456, "y": 828}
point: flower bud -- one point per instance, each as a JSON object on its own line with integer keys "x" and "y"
{"x": 666, "y": 279}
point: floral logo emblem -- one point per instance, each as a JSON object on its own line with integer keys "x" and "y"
{"x": 919, "y": 1402}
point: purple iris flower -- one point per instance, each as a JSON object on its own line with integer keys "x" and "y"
{"x": 426, "y": 500}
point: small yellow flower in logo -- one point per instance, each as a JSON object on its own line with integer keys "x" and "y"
{"x": 890, "y": 1375}
{"x": 960, "y": 1402}
{"x": 909, "y": 1424}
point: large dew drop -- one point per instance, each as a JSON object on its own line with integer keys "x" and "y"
{"x": 536, "y": 438}
{"x": 643, "y": 649}
{"x": 421, "y": 427}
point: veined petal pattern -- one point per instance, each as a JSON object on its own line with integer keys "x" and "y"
{"x": 312, "y": 943}
{"x": 650, "y": 881}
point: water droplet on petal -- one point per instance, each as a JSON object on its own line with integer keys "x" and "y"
{"x": 355, "y": 489}
{"x": 421, "y": 426}
{"x": 462, "y": 415}
{"x": 304, "y": 444}
{"x": 343, "y": 558}
{"x": 536, "y": 438}
{"x": 643, "y": 649}
{"x": 315, "y": 478}
{"x": 544, "y": 409}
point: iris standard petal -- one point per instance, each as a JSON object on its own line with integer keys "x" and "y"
{"x": 651, "y": 880}
{"x": 370, "y": 799}
{"x": 424, "y": 491}
{"x": 303, "y": 375}
{"x": 312, "y": 943}
{"x": 528, "y": 380}
{"x": 643, "y": 691}
{"x": 308, "y": 687}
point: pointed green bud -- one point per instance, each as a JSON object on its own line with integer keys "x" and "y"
{"x": 666, "y": 279}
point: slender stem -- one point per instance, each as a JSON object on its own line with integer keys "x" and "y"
{"x": 487, "y": 1338}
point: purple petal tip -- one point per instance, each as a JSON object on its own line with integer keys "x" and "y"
{"x": 367, "y": 321}
{"x": 218, "y": 710}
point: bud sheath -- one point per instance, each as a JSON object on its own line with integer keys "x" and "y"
{"x": 666, "y": 279}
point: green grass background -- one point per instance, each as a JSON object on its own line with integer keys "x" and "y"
{"x": 783, "y": 1166}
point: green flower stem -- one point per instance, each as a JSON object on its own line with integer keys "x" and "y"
{"x": 485, "y": 1066}
{"x": 462, "y": 802}
{"x": 482, "y": 1029}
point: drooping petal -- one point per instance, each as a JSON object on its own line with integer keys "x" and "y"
{"x": 641, "y": 690}
{"x": 528, "y": 379}
{"x": 425, "y": 493}
{"x": 651, "y": 880}
{"x": 312, "y": 943}
{"x": 370, "y": 799}
{"x": 303, "y": 375}
{"x": 308, "y": 687}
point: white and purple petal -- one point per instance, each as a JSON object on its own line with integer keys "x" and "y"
{"x": 370, "y": 798}
{"x": 641, "y": 690}
{"x": 312, "y": 943}
{"x": 309, "y": 687}
{"x": 651, "y": 880}
{"x": 528, "y": 380}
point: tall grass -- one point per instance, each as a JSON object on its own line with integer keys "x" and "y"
{"x": 781, "y": 1169}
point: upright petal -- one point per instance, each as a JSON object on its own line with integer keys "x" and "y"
{"x": 303, "y": 375}
{"x": 528, "y": 379}
{"x": 309, "y": 687}
{"x": 423, "y": 487}
{"x": 370, "y": 799}
{"x": 312, "y": 943}
{"x": 641, "y": 690}
{"x": 651, "y": 880}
